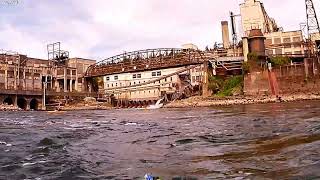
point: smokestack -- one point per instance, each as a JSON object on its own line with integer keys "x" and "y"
{"x": 225, "y": 34}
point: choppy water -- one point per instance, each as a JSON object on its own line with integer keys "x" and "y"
{"x": 270, "y": 141}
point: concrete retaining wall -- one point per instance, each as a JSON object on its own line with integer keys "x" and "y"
{"x": 292, "y": 79}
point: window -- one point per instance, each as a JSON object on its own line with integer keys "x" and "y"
{"x": 286, "y": 40}
{"x": 268, "y": 42}
{"x": 287, "y": 46}
{"x": 270, "y": 52}
{"x": 107, "y": 78}
{"x": 297, "y": 52}
{"x": 134, "y": 76}
{"x": 138, "y": 75}
{"x": 154, "y": 74}
{"x": 171, "y": 79}
{"x": 297, "y": 45}
{"x": 116, "y": 84}
{"x": 277, "y": 40}
{"x": 296, "y": 39}
{"x": 278, "y": 51}
{"x": 116, "y": 77}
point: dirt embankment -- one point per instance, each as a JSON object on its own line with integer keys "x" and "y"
{"x": 199, "y": 101}
{"x": 86, "y": 104}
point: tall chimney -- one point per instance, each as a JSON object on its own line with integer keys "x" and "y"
{"x": 225, "y": 34}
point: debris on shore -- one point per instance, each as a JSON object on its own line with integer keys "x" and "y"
{"x": 198, "y": 101}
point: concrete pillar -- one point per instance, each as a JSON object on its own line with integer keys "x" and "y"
{"x": 65, "y": 80}
{"x": 32, "y": 74}
{"x": 306, "y": 67}
{"x": 6, "y": 77}
{"x": 245, "y": 48}
{"x": 70, "y": 83}
{"x": 24, "y": 79}
{"x": 76, "y": 82}
{"x": 15, "y": 78}
{"x": 15, "y": 101}
{"x": 205, "y": 82}
{"x": 225, "y": 34}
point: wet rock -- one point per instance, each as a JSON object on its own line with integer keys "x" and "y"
{"x": 185, "y": 141}
{"x": 46, "y": 142}
{"x": 42, "y": 150}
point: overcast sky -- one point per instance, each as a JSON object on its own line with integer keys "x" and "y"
{"x": 102, "y": 28}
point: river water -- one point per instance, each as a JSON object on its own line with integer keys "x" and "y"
{"x": 269, "y": 141}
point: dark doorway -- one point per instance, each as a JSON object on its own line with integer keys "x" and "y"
{"x": 34, "y": 104}
{"x": 8, "y": 101}
{"x": 22, "y": 103}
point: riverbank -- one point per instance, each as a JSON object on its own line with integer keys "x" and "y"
{"x": 85, "y": 106}
{"x": 9, "y": 108}
{"x": 199, "y": 101}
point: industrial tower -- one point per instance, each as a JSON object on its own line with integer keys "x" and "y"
{"x": 312, "y": 28}
{"x": 312, "y": 20}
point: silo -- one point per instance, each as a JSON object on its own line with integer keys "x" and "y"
{"x": 256, "y": 42}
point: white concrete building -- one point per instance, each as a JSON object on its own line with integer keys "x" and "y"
{"x": 136, "y": 86}
{"x": 254, "y": 16}
{"x": 284, "y": 43}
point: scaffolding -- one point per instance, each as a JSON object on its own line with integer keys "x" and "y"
{"x": 56, "y": 54}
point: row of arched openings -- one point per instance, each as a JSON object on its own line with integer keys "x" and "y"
{"x": 22, "y": 103}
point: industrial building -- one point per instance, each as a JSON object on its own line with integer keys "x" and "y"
{"x": 23, "y": 79}
{"x": 278, "y": 42}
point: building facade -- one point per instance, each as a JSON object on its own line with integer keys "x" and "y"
{"x": 22, "y": 78}
{"x": 285, "y": 43}
{"x": 254, "y": 16}
{"x": 152, "y": 84}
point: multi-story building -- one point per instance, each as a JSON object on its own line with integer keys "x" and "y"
{"x": 278, "y": 42}
{"x": 152, "y": 84}
{"x": 254, "y": 16}
{"x": 285, "y": 43}
{"x": 22, "y": 77}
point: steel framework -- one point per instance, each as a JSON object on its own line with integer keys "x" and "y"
{"x": 56, "y": 54}
{"x": 312, "y": 20}
{"x": 145, "y": 59}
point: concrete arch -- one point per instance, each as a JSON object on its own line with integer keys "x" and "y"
{"x": 22, "y": 103}
{"x": 8, "y": 101}
{"x": 34, "y": 104}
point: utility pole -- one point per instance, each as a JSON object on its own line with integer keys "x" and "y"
{"x": 234, "y": 31}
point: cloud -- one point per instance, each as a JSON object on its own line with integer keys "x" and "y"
{"x": 99, "y": 28}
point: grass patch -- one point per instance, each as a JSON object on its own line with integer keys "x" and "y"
{"x": 228, "y": 87}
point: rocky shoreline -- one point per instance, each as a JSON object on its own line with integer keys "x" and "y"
{"x": 192, "y": 102}
{"x": 199, "y": 101}
{"x": 81, "y": 106}
{"x": 9, "y": 108}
